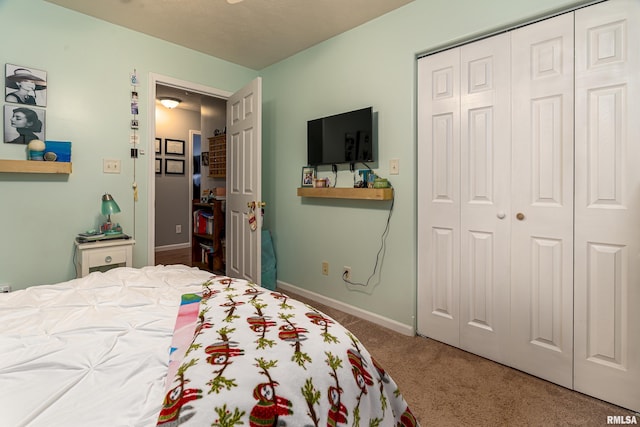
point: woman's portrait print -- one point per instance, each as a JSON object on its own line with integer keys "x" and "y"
{"x": 26, "y": 86}
{"x": 23, "y": 124}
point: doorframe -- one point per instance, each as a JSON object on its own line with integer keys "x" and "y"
{"x": 192, "y": 133}
{"x": 155, "y": 79}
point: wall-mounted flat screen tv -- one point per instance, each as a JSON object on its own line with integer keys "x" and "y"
{"x": 341, "y": 138}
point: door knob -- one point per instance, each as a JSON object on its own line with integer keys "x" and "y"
{"x": 501, "y": 215}
{"x": 520, "y": 216}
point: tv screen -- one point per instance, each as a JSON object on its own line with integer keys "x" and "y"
{"x": 342, "y": 138}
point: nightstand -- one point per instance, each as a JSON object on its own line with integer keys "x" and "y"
{"x": 103, "y": 255}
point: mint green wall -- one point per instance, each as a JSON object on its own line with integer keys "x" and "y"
{"x": 88, "y": 63}
{"x": 370, "y": 65}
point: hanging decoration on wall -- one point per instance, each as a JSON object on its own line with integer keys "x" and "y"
{"x": 25, "y": 88}
{"x": 134, "y": 139}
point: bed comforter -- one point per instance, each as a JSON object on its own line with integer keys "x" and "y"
{"x": 173, "y": 345}
{"x": 250, "y": 356}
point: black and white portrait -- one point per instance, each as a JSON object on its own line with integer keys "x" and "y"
{"x": 23, "y": 124}
{"x": 26, "y": 86}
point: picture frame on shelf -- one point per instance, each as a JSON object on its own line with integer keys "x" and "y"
{"x": 174, "y": 147}
{"x": 308, "y": 175}
{"x": 173, "y": 167}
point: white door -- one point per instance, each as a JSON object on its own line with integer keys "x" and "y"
{"x": 244, "y": 182}
{"x": 485, "y": 197}
{"x": 464, "y": 197}
{"x": 439, "y": 196}
{"x": 607, "y": 240}
{"x": 542, "y": 199}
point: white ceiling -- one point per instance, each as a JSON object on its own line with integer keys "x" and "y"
{"x": 252, "y": 33}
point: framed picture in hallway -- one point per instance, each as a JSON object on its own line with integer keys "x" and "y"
{"x": 174, "y": 167}
{"x": 174, "y": 146}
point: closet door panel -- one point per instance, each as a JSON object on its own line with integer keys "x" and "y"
{"x": 542, "y": 199}
{"x": 439, "y": 196}
{"x": 484, "y": 197}
{"x": 607, "y": 239}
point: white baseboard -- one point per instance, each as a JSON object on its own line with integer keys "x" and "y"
{"x": 172, "y": 247}
{"x": 338, "y": 305}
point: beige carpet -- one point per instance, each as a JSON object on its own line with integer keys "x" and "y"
{"x": 445, "y": 386}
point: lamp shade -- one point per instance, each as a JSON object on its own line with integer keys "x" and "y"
{"x": 109, "y": 206}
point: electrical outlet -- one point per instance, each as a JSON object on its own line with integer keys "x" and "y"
{"x": 178, "y": 228}
{"x": 5, "y": 289}
{"x": 325, "y": 268}
{"x": 346, "y": 273}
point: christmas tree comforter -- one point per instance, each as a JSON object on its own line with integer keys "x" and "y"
{"x": 244, "y": 355}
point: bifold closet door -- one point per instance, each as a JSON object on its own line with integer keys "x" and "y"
{"x": 439, "y": 197}
{"x": 547, "y": 277}
{"x": 485, "y": 185}
{"x": 607, "y": 240}
{"x": 464, "y": 197}
{"x": 542, "y": 199}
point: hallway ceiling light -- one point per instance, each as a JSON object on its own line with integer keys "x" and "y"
{"x": 170, "y": 103}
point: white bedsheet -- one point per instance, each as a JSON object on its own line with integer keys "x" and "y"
{"x": 91, "y": 351}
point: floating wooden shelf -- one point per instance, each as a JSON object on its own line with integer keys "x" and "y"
{"x": 31, "y": 166}
{"x": 348, "y": 193}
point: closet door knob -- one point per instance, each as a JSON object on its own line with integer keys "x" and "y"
{"x": 520, "y": 216}
{"x": 501, "y": 215}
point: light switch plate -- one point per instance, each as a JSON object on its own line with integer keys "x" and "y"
{"x": 394, "y": 167}
{"x": 110, "y": 166}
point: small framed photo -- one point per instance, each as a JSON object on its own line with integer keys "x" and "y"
{"x": 135, "y": 124}
{"x": 158, "y": 145}
{"x": 204, "y": 156}
{"x": 158, "y": 166}
{"x": 174, "y": 146}
{"x": 308, "y": 175}
{"x": 174, "y": 167}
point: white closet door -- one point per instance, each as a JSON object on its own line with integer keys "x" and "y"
{"x": 542, "y": 199}
{"x": 607, "y": 241}
{"x": 439, "y": 196}
{"x": 485, "y": 197}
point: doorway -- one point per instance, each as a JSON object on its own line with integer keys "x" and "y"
{"x": 211, "y": 118}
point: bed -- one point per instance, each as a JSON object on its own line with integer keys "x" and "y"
{"x": 174, "y": 345}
